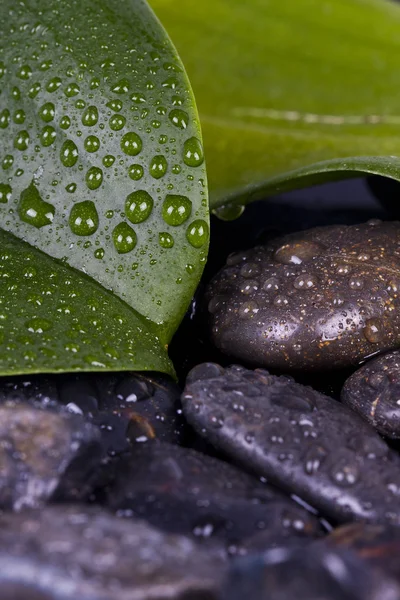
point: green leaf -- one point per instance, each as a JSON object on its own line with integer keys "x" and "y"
{"x": 283, "y": 86}
{"x": 102, "y": 174}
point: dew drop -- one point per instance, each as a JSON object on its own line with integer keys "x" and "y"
{"x": 5, "y": 118}
{"x": 21, "y": 140}
{"x": 122, "y": 87}
{"x": 94, "y": 178}
{"x": 47, "y": 135}
{"x": 71, "y": 90}
{"x": 250, "y": 270}
{"x": 124, "y": 238}
{"x": 197, "y": 233}
{"x": 356, "y": 283}
{"x": 19, "y": 116}
{"x": 305, "y": 282}
{"x": 53, "y": 84}
{"x": 374, "y": 330}
{"x": 71, "y": 188}
{"x": 136, "y": 172}
{"x": 91, "y": 143}
{"x": 193, "y": 152}
{"x": 90, "y": 116}
{"x": 165, "y": 239}
{"x": 99, "y": 253}
{"x": 117, "y": 122}
{"x": 16, "y": 93}
{"x": 83, "y": 218}
{"x": 108, "y": 160}
{"x": 65, "y": 123}
{"x": 158, "y": 166}
{"x": 138, "y": 206}
{"x": 38, "y": 325}
{"x": 115, "y": 105}
{"x": 47, "y": 112}
{"x": 229, "y": 212}
{"x": 33, "y": 210}
{"x": 176, "y": 209}
{"x": 271, "y": 284}
{"x": 248, "y": 309}
{"x": 179, "y": 118}
{"x": 34, "y": 90}
{"x": 5, "y": 193}
{"x": 24, "y": 72}
{"x": 7, "y": 161}
{"x": 131, "y": 144}
{"x": 296, "y": 253}
{"x": 69, "y": 153}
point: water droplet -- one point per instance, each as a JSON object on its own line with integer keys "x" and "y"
{"x": 138, "y": 206}
{"x": 24, "y": 72}
{"x": 249, "y": 287}
{"x": 138, "y": 98}
{"x": 16, "y": 93}
{"x": 179, "y": 118}
{"x": 305, "y": 282}
{"x": 92, "y": 143}
{"x": 176, "y": 209}
{"x": 124, "y": 238}
{"x": 248, "y": 309}
{"x": 7, "y": 162}
{"x": 47, "y": 112}
{"x": 296, "y": 253}
{"x": 115, "y": 105}
{"x": 250, "y": 270}
{"x": 69, "y": 153}
{"x": 34, "y": 90}
{"x": 38, "y": 325}
{"x": 47, "y": 135}
{"x": 83, "y": 218}
{"x": 33, "y": 209}
{"x": 343, "y": 269}
{"x": 90, "y": 116}
{"x": 158, "y": 166}
{"x": 344, "y": 473}
{"x": 136, "y": 172}
{"x": 21, "y": 140}
{"x": 229, "y": 212}
{"x": 271, "y": 284}
{"x": 53, "y": 84}
{"x": 281, "y": 301}
{"x": 5, "y": 118}
{"x": 71, "y": 90}
{"x": 117, "y": 122}
{"x": 131, "y": 144}
{"x": 108, "y": 160}
{"x": 193, "y": 155}
{"x": 99, "y": 253}
{"x": 122, "y": 87}
{"x": 65, "y": 123}
{"x": 314, "y": 458}
{"x": 94, "y": 178}
{"x": 356, "y": 283}
{"x": 197, "y": 233}
{"x": 165, "y": 239}
{"x": 19, "y": 116}
{"x": 374, "y": 330}
{"x": 71, "y": 188}
{"x": 5, "y": 193}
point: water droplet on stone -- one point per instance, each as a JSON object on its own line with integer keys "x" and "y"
{"x": 344, "y": 473}
{"x": 356, "y": 283}
{"x": 248, "y": 309}
{"x": 83, "y": 218}
{"x": 305, "y": 282}
{"x": 193, "y": 152}
{"x": 176, "y": 209}
{"x": 271, "y": 284}
{"x": 33, "y": 209}
{"x": 295, "y": 253}
{"x": 138, "y": 206}
{"x": 250, "y": 270}
{"x": 124, "y": 238}
{"x": 374, "y": 330}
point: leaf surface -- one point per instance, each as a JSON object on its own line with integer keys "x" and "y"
{"x": 284, "y": 86}
{"x": 101, "y": 169}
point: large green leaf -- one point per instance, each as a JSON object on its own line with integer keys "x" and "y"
{"x": 102, "y": 170}
{"x": 283, "y": 85}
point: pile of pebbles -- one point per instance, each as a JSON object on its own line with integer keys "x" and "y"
{"x": 242, "y": 480}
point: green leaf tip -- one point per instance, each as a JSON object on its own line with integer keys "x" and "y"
{"x": 98, "y": 129}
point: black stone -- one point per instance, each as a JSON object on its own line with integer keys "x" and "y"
{"x": 299, "y": 439}
{"x": 320, "y": 299}
{"x": 184, "y": 491}
{"x": 373, "y": 391}
{"x": 72, "y": 552}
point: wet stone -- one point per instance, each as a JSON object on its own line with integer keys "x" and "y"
{"x": 331, "y": 292}
{"x": 307, "y": 573}
{"x": 378, "y": 545}
{"x": 127, "y": 407}
{"x": 183, "y": 491}
{"x": 373, "y": 391}
{"x": 302, "y": 441}
{"x": 71, "y": 552}
{"x": 45, "y": 454}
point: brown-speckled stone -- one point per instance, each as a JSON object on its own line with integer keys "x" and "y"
{"x": 323, "y": 298}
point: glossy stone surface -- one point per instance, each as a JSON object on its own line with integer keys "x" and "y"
{"x": 299, "y": 439}
{"x": 183, "y": 491}
{"x": 72, "y": 552}
{"x": 127, "y": 407}
{"x": 373, "y": 391}
{"x": 324, "y": 298}
{"x": 45, "y": 454}
{"x": 308, "y": 573}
